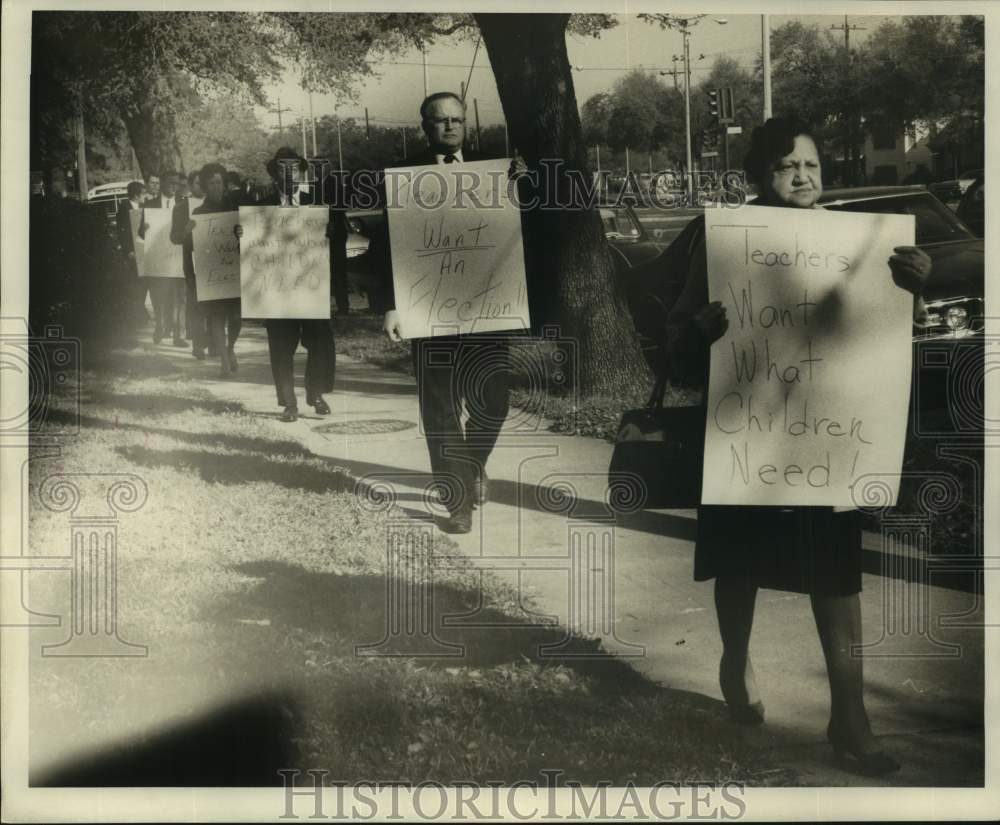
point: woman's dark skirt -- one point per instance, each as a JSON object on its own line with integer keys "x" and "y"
{"x": 799, "y": 550}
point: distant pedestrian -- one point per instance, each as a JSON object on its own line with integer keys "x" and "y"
{"x": 224, "y": 318}
{"x": 195, "y": 317}
{"x": 126, "y": 243}
{"x": 166, "y": 291}
{"x": 285, "y": 334}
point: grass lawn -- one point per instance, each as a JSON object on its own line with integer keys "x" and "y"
{"x": 251, "y": 574}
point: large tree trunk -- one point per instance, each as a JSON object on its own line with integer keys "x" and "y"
{"x": 570, "y": 270}
{"x": 152, "y": 132}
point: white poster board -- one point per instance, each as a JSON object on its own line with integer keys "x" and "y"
{"x": 809, "y": 387}
{"x": 216, "y": 256}
{"x": 161, "y": 257}
{"x": 285, "y": 262}
{"x": 138, "y": 246}
{"x": 457, "y": 253}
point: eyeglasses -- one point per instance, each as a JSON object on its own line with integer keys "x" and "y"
{"x": 444, "y": 121}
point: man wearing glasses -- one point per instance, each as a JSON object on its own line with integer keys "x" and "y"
{"x": 452, "y": 370}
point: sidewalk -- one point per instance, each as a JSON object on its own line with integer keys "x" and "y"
{"x": 627, "y": 580}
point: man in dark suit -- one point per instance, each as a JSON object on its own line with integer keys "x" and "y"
{"x": 123, "y": 226}
{"x": 167, "y": 293}
{"x": 195, "y": 320}
{"x": 453, "y": 369}
{"x": 288, "y": 171}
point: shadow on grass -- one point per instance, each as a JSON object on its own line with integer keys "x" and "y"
{"x": 215, "y": 468}
{"x": 243, "y": 743}
{"x": 258, "y": 467}
{"x": 360, "y": 610}
{"x": 154, "y": 405}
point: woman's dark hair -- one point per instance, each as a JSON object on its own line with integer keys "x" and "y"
{"x": 208, "y": 171}
{"x": 134, "y": 189}
{"x": 770, "y": 143}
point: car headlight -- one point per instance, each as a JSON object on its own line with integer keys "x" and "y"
{"x": 957, "y": 318}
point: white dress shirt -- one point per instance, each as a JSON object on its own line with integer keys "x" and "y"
{"x": 457, "y": 153}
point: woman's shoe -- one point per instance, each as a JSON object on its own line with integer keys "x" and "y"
{"x": 750, "y": 715}
{"x": 741, "y": 709}
{"x": 874, "y": 763}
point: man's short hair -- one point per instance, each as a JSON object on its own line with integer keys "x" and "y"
{"x": 234, "y": 178}
{"x": 167, "y": 173}
{"x": 134, "y": 189}
{"x": 152, "y": 175}
{"x": 208, "y": 171}
{"x": 438, "y": 96}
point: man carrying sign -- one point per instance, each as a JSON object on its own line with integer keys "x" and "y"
{"x": 287, "y": 169}
{"x": 447, "y": 366}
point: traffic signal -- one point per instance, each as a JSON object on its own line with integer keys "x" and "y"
{"x": 713, "y": 103}
{"x": 727, "y": 114}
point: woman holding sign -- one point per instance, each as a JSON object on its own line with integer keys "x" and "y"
{"x": 812, "y": 550}
{"x": 224, "y": 318}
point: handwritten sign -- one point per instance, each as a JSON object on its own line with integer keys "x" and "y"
{"x": 134, "y": 217}
{"x": 457, "y": 254}
{"x": 810, "y": 385}
{"x": 216, "y": 256}
{"x": 161, "y": 257}
{"x": 285, "y": 262}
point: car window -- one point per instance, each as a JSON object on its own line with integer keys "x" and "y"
{"x": 617, "y": 223}
{"x": 936, "y": 223}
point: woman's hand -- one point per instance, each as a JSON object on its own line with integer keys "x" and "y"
{"x": 391, "y": 325}
{"x": 711, "y": 320}
{"x": 911, "y": 267}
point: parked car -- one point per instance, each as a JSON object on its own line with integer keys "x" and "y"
{"x": 954, "y": 295}
{"x": 970, "y": 208}
{"x": 948, "y": 349}
{"x": 107, "y": 197}
{"x": 948, "y": 345}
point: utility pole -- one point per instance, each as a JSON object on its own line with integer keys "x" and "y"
{"x": 627, "y": 168}
{"x": 278, "y": 112}
{"x": 312, "y": 121}
{"x": 305, "y": 149}
{"x": 81, "y": 158}
{"x": 506, "y": 140}
{"x": 461, "y": 89}
{"x": 475, "y": 108}
{"x": 687, "y": 112}
{"x": 402, "y": 131}
{"x": 765, "y": 51}
{"x": 340, "y": 148}
{"x": 423, "y": 56}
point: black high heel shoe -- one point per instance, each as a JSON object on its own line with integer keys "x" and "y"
{"x": 743, "y": 713}
{"x": 876, "y": 763}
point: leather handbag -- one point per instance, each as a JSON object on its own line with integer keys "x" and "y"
{"x": 658, "y": 455}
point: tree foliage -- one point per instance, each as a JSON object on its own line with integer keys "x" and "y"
{"x": 639, "y": 112}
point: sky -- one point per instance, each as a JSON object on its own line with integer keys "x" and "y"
{"x": 393, "y": 96}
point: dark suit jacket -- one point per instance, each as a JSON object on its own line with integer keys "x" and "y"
{"x": 383, "y": 298}
{"x": 123, "y": 226}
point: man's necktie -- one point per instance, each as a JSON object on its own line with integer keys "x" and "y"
{"x": 449, "y": 158}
